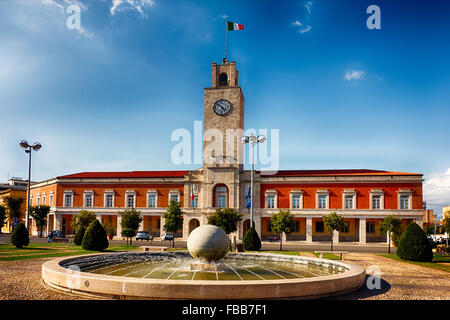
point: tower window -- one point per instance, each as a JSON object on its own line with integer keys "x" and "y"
{"x": 223, "y": 79}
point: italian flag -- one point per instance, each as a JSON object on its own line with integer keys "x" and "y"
{"x": 234, "y": 26}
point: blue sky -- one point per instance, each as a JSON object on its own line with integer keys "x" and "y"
{"x": 108, "y": 96}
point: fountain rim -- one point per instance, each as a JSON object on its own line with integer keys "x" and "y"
{"x": 55, "y": 266}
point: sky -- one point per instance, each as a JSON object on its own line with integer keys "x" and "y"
{"x": 107, "y": 96}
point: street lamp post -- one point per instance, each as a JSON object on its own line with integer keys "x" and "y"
{"x": 252, "y": 139}
{"x": 28, "y": 148}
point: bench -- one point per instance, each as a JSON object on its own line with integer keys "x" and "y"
{"x": 333, "y": 252}
{"x": 60, "y": 240}
{"x": 153, "y": 248}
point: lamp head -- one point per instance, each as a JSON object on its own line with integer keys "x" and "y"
{"x": 24, "y": 144}
{"x": 244, "y": 139}
{"x": 261, "y": 139}
{"x": 37, "y": 146}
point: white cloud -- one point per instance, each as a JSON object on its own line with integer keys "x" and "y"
{"x": 308, "y": 5}
{"x": 300, "y": 28}
{"x": 138, "y": 5}
{"x": 354, "y": 75}
{"x": 436, "y": 189}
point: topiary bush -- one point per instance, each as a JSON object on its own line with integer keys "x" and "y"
{"x": 19, "y": 236}
{"x": 251, "y": 240}
{"x": 414, "y": 245}
{"x": 95, "y": 237}
{"x": 79, "y": 234}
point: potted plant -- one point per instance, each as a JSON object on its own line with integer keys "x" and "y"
{"x": 110, "y": 231}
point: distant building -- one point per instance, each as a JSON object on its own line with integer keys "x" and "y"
{"x": 428, "y": 217}
{"x": 17, "y": 188}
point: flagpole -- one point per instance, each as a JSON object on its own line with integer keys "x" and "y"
{"x": 226, "y": 33}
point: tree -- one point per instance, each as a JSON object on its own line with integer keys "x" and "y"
{"x": 414, "y": 245}
{"x": 19, "y": 236}
{"x": 227, "y": 219}
{"x": 429, "y": 230}
{"x": 79, "y": 234}
{"x": 173, "y": 219}
{"x": 39, "y": 214}
{"x": 131, "y": 219}
{"x": 83, "y": 219}
{"x": 390, "y": 225}
{"x": 95, "y": 237}
{"x": 129, "y": 234}
{"x": 13, "y": 206}
{"x": 251, "y": 240}
{"x": 333, "y": 222}
{"x": 282, "y": 222}
{"x": 2, "y": 217}
{"x": 446, "y": 225}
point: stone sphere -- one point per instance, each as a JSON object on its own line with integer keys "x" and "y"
{"x": 208, "y": 243}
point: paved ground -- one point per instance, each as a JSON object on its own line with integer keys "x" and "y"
{"x": 21, "y": 280}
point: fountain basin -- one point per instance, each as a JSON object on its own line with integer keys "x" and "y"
{"x": 76, "y": 275}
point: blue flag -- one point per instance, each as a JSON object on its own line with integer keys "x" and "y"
{"x": 248, "y": 197}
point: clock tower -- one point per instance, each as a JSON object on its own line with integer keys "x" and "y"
{"x": 223, "y": 118}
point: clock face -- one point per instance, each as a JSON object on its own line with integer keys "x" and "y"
{"x": 222, "y": 107}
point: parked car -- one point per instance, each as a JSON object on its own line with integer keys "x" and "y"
{"x": 57, "y": 234}
{"x": 144, "y": 235}
{"x": 167, "y": 236}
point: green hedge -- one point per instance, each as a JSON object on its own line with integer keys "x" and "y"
{"x": 78, "y": 238}
{"x": 95, "y": 238}
{"x": 251, "y": 240}
{"x": 19, "y": 236}
{"x": 414, "y": 245}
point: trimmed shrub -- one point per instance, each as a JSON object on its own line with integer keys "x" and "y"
{"x": 78, "y": 238}
{"x": 19, "y": 236}
{"x": 251, "y": 240}
{"x": 95, "y": 237}
{"x": 414, "y": 245}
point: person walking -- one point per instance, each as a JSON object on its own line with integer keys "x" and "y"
{"x": 50, "y": 236}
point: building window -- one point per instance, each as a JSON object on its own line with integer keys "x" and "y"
{"x": 221, "y": 201}
{"x": 130, "y": 200}
{"x": 346, "y": 228}
{"x": 221, "y": 196}
{"x": 174, "y": 197}
{"x": 319, "y": 226}
{"x": 194, "y": 201}
{"x": 50, "y": 200}
{"x": 296, "y": 201}
{"x": 348, "y": 202}
{"x": 270, "y": 201}
{"x": 88, "y": 200}
{"x": 377, "y": 199}
{"x": 370, "y": 227}
{"x": 109, "y": 200}
{"x": 68, "y": 199}
{"x": 44, "y": 199}
{"x": 38, "y": 200}
{"x": 152, "y": 200}
{"x": 404, "y": 202}
{"x": 376, "y": 202}
{"x": 322, "y": 202}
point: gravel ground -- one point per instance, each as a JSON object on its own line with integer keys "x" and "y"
{"x": 21, "y": 280}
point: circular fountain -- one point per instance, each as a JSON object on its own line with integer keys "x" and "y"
{"x": 207, "y": 271}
